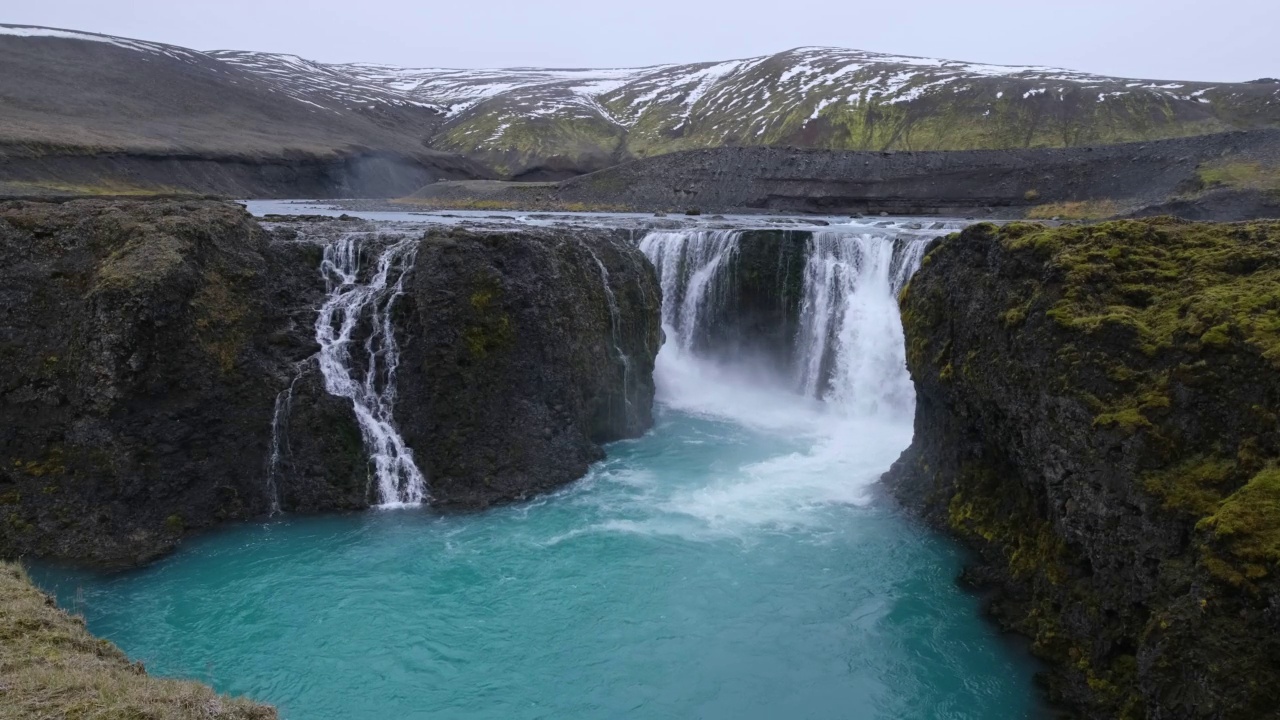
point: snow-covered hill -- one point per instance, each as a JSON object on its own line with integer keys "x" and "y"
{"x": 557, "y": 121}
{"x": 817, "y": 97}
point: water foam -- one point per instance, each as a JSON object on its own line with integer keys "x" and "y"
{"x": 365, "y": 305}
{"x": 839, "y": 418}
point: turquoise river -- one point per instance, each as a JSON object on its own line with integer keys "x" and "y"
{"x": 735, "y": 563}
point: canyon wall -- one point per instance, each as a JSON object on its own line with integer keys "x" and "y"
{"x": 1097, "y": 418}
{"x": 149, "y": 344}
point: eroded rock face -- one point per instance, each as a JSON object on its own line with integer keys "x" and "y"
{"x": 518, "y": 361}
{"x": 147, "y": 345}
{"x": 140, "y": 347}
{"x": 1097, "y": 416}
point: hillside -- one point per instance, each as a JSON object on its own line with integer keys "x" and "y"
{"x": 82, "y": 112}
{"x": 544, "y": 124}
{"x": 95, "y": 93}
{"x": 1226, "y": 176}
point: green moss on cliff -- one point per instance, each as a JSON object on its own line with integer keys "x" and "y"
{"x": 490, "y": 328}
{"x": 1030, "y": 545}
{"x": 1147, "y": 353}
{"x": 1246, "y": 525}
{"x": 1162, "y": 298}
{"x": 1167, "y": 283}
{"x": 222, "y": 319}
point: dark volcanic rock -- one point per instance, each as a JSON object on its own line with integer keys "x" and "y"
{"x": 757, "y": 312}
{"x": 150, "y": 344}
{"x": 142, "y": 362}
{"x": 1097, "y": 416}
{"x": 510, "y": 372}
{"x": 1088, "y": 182}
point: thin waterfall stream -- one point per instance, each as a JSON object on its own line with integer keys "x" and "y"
{"x": 615, "y": 328}
{"x": 730, "y": 564}
{"x": 351, "y": 304}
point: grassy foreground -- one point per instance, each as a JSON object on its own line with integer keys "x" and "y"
{"x": 52, "y": 668}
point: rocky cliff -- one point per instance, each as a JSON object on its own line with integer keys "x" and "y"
{"x": 1097, "y": 417}
{"x": 149, "y": 344}
{"x": 522, "y": 352}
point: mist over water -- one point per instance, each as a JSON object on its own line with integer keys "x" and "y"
{"x": 730, "y": 564}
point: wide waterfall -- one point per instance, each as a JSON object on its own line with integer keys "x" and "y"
{"x": 728, "y": 564}
{"x": 361, "y": 303}
{"x": 847, "y": 346}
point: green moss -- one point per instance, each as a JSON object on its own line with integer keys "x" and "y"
{"x": 222, "y": 319}
{"x": 1128, "y": 419}
{"x": 1195, "y": 486}
{"x": 984, "y": 507}
{"x": 1154, "y": 298}
{"x": 1246, "y": 525}
{"x": 1078, "y": 210}
{"x": 490, "y": 329}
{"x": 1239, "y": 174}
{"x": 51, "y": 465}
{"x": 1156, "y": 286}
{"x": 1013, "y": 317}
{"x": 1217, "y": 336}
{"x": 175, "y": 523}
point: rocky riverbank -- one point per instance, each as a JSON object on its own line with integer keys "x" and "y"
{"x": 1229, "y": 176}
{"x": 150, "y": 342}
{"x": 1096, "y": 416}
{"x": 51, "y": 667}
{"x": 35, "y": 172}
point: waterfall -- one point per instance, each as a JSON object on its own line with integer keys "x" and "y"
{"x": 279, "y": 445}
{"x": 280, "y": 450}
{"x": 352, "y": 306}
{"x": 692, "y": 272}
{"x": 615, "y": 331}
{"x": 848, "y": 345}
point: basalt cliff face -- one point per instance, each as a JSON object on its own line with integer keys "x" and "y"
{"x": 149, "y": 343}
{"x": 1097, "y": 417}
{"x": 523, "y": 351}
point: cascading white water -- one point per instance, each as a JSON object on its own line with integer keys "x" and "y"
{"x": 849, "y": 346}
{"x": 354, "y": 304}
{"x": 689, "y": 264}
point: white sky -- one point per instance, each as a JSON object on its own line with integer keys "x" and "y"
{"x": 1218, "y": 40}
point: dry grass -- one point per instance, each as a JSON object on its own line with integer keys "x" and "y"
{"x": 51, "y": 668}
{"x": 1082, "y": 210}
{"x": 104, "y": 188}
{"x": 1243, "y": 175}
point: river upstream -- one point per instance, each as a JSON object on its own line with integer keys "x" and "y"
{"x": 734, "y": 563}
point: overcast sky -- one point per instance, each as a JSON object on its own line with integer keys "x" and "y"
{"x": 1216, "y": 40}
